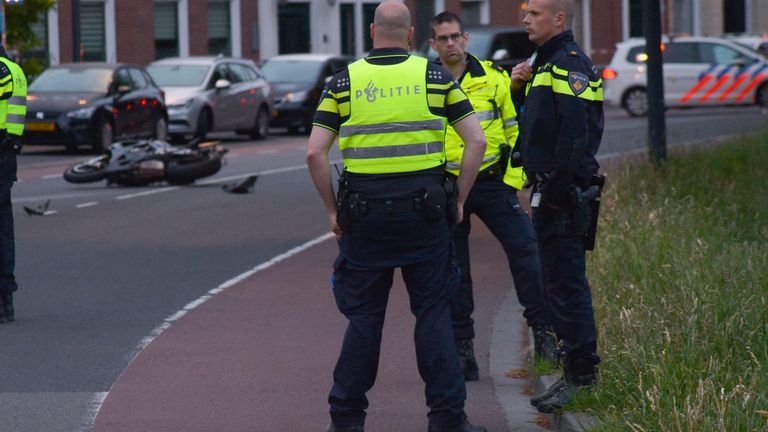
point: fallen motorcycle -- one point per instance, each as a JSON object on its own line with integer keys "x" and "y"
{"x": 141, "y": 162}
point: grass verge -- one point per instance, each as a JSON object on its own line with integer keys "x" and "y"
{"x": 680, "y": 287}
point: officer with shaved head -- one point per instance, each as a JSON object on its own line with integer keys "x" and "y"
{"x": 561, "y": 125}
{"x": 393, "y": 210}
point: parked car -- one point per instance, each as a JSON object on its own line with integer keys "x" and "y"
{"x": 757, "y": 42}
{"x": 212, "y": 94}
{"x": 698, "y": 71}
{"x": 297, "y": 81}
{"x": 94, "y": 104}
{"x": 505, "y": 46}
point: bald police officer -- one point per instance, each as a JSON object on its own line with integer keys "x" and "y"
{"x": 390, "y": 111}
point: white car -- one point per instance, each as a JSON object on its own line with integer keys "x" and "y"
{"x": 698, "y": 71}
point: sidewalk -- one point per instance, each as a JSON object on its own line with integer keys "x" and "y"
{"x": 259, "y": 357}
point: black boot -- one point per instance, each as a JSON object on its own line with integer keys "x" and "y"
{"x": 545, "y": 344}
{"x": 466, "y": 350}
{"x": 2, "y": 309}
{"x": 580, "y": 375}
{"x": 8, "y": 305}
{"x": 548, "y": 393}
{"x": 464, "y": 427}
{"x": 334, "y": 428}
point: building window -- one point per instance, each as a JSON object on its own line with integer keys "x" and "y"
{"x": 40, "y": 51}
{"x": 734, "y": 16}
{"x": 347, "y": 22}
{"x": 470, "y": 13}
{"x": 682, "y": 17}
{"x": 636, "y": 18}
{"x": 219, "y": 28}
{"x": 369, "y": 10}
{"x": 166, "y": 29}
{"x": 93, "y": 45}
{"x": 293, "y": 28}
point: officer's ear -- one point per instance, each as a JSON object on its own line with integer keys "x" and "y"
{"x": 373, "y": 31}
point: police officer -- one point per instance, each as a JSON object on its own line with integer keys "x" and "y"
{"x": 13, "y": 109}
{"x": 561, "y": 125}
{"x": 493, "y": 197}
{"x": 389, "y": 111}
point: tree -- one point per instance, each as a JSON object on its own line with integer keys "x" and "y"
{"x": 19, "y": 20}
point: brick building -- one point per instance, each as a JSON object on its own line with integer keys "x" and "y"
{"x": 140, "y": 31}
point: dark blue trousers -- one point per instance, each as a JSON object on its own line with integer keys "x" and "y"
{"x": 370, "y": 250}
{"x": 566, "y": 289}
{"x": 496, "y": 204}
{"x": 7, "y": 243}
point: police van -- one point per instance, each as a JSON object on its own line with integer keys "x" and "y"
{"x": 698, "y": 71}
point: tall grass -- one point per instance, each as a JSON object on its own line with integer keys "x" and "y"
{"x": 680, "y": 286}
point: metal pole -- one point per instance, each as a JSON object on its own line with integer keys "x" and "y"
{"x": 657, "y": 134}
{"x": 75, "y": 30}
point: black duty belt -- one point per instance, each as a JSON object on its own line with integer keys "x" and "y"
{"x": 387, "y": 206}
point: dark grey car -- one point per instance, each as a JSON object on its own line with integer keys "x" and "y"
{"x": 212, "y": 94}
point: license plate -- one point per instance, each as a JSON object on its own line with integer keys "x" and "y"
{"x": 41, "y": 126}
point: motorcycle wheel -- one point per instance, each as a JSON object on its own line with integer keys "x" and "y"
{"x": 85, "y": 173}
{"x": 187, "y": 171}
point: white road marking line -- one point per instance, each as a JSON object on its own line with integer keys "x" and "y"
{"x": 52, "y": 176}
{"x": 145, "y": 193}
{"x": 87, "y": 204}
{"x": 266, "y": 151}
{"x": 50, "y": 212}
{"x": 99, "y": 399}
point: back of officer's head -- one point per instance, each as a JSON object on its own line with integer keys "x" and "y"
{"x": 564, "y": 6}
{"x": 392, "y": 21}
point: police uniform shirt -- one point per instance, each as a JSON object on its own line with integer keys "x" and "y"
{"x": 334, "y": 109}
{"x": 561, "y": 122}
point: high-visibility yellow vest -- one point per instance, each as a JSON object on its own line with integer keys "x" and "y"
{"x": 390, "y": 127}
{"x": 17, "y": 105}
{"x": 490, "y": 97}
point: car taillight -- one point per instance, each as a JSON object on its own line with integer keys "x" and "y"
{"x": 609, "y": 74}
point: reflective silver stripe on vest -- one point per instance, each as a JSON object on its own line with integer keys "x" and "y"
{"x": 15, "y": 118}
{"x": 456, "y": 165}
{"x": 417, "y": 126}
{"x": 393, "y": 151}
{"x": 486, "y": 115}
{"x": 510, "y": 123}
{"x": 17, "y": 100}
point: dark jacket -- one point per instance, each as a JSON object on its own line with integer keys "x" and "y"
{"x": 561, "y": 121}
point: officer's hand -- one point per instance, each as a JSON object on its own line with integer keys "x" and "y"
{"x": 520, "y": 74}
{"x": 335, "y": 228}
{"x": 459, "y": 213}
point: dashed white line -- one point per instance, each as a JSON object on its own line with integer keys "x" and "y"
{"x": 87, "y": 204}
{"x": 145, "y": 193}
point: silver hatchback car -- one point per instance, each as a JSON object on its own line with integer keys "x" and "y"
{"x": 213, "y": 94}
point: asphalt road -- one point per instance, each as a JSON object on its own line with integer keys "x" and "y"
{"x": 102, "y": 274}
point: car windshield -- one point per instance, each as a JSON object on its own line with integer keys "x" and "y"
{"x": 291, "y": 71}
{"x": 76, "y": 79}
{"x": 178, "y": 75}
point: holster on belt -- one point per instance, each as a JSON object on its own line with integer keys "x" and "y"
{"x": 585, "y": 206}
{"x": 451, "y": 196}
{"x": 342, "y": 203}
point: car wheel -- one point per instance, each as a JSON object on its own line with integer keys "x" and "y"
{"x": 161, "y": 130}
{"x": 635, "y": 102}
{"x": 762, "y": 96}
{"x": 104, "y": 136}
{"x": 260, "y": 130}
{"x": 203, "y": 124}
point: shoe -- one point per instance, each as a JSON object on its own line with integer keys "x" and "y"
{"x": 564, "y": 394}
{"x": 2, "y": 310}
{"x": 8, "y": 306}
{"x": 334, "y": 428}
{"x": 466, "y": 350}
{"x": 548, "y": 393}
{"x": 545, "y": 345}
{"x": 464, "y": 427}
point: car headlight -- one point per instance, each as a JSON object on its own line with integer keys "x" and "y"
{"x": 184, "y": 105}
{"x": 82, "y": 113}
{"x": 299, "y": 96}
